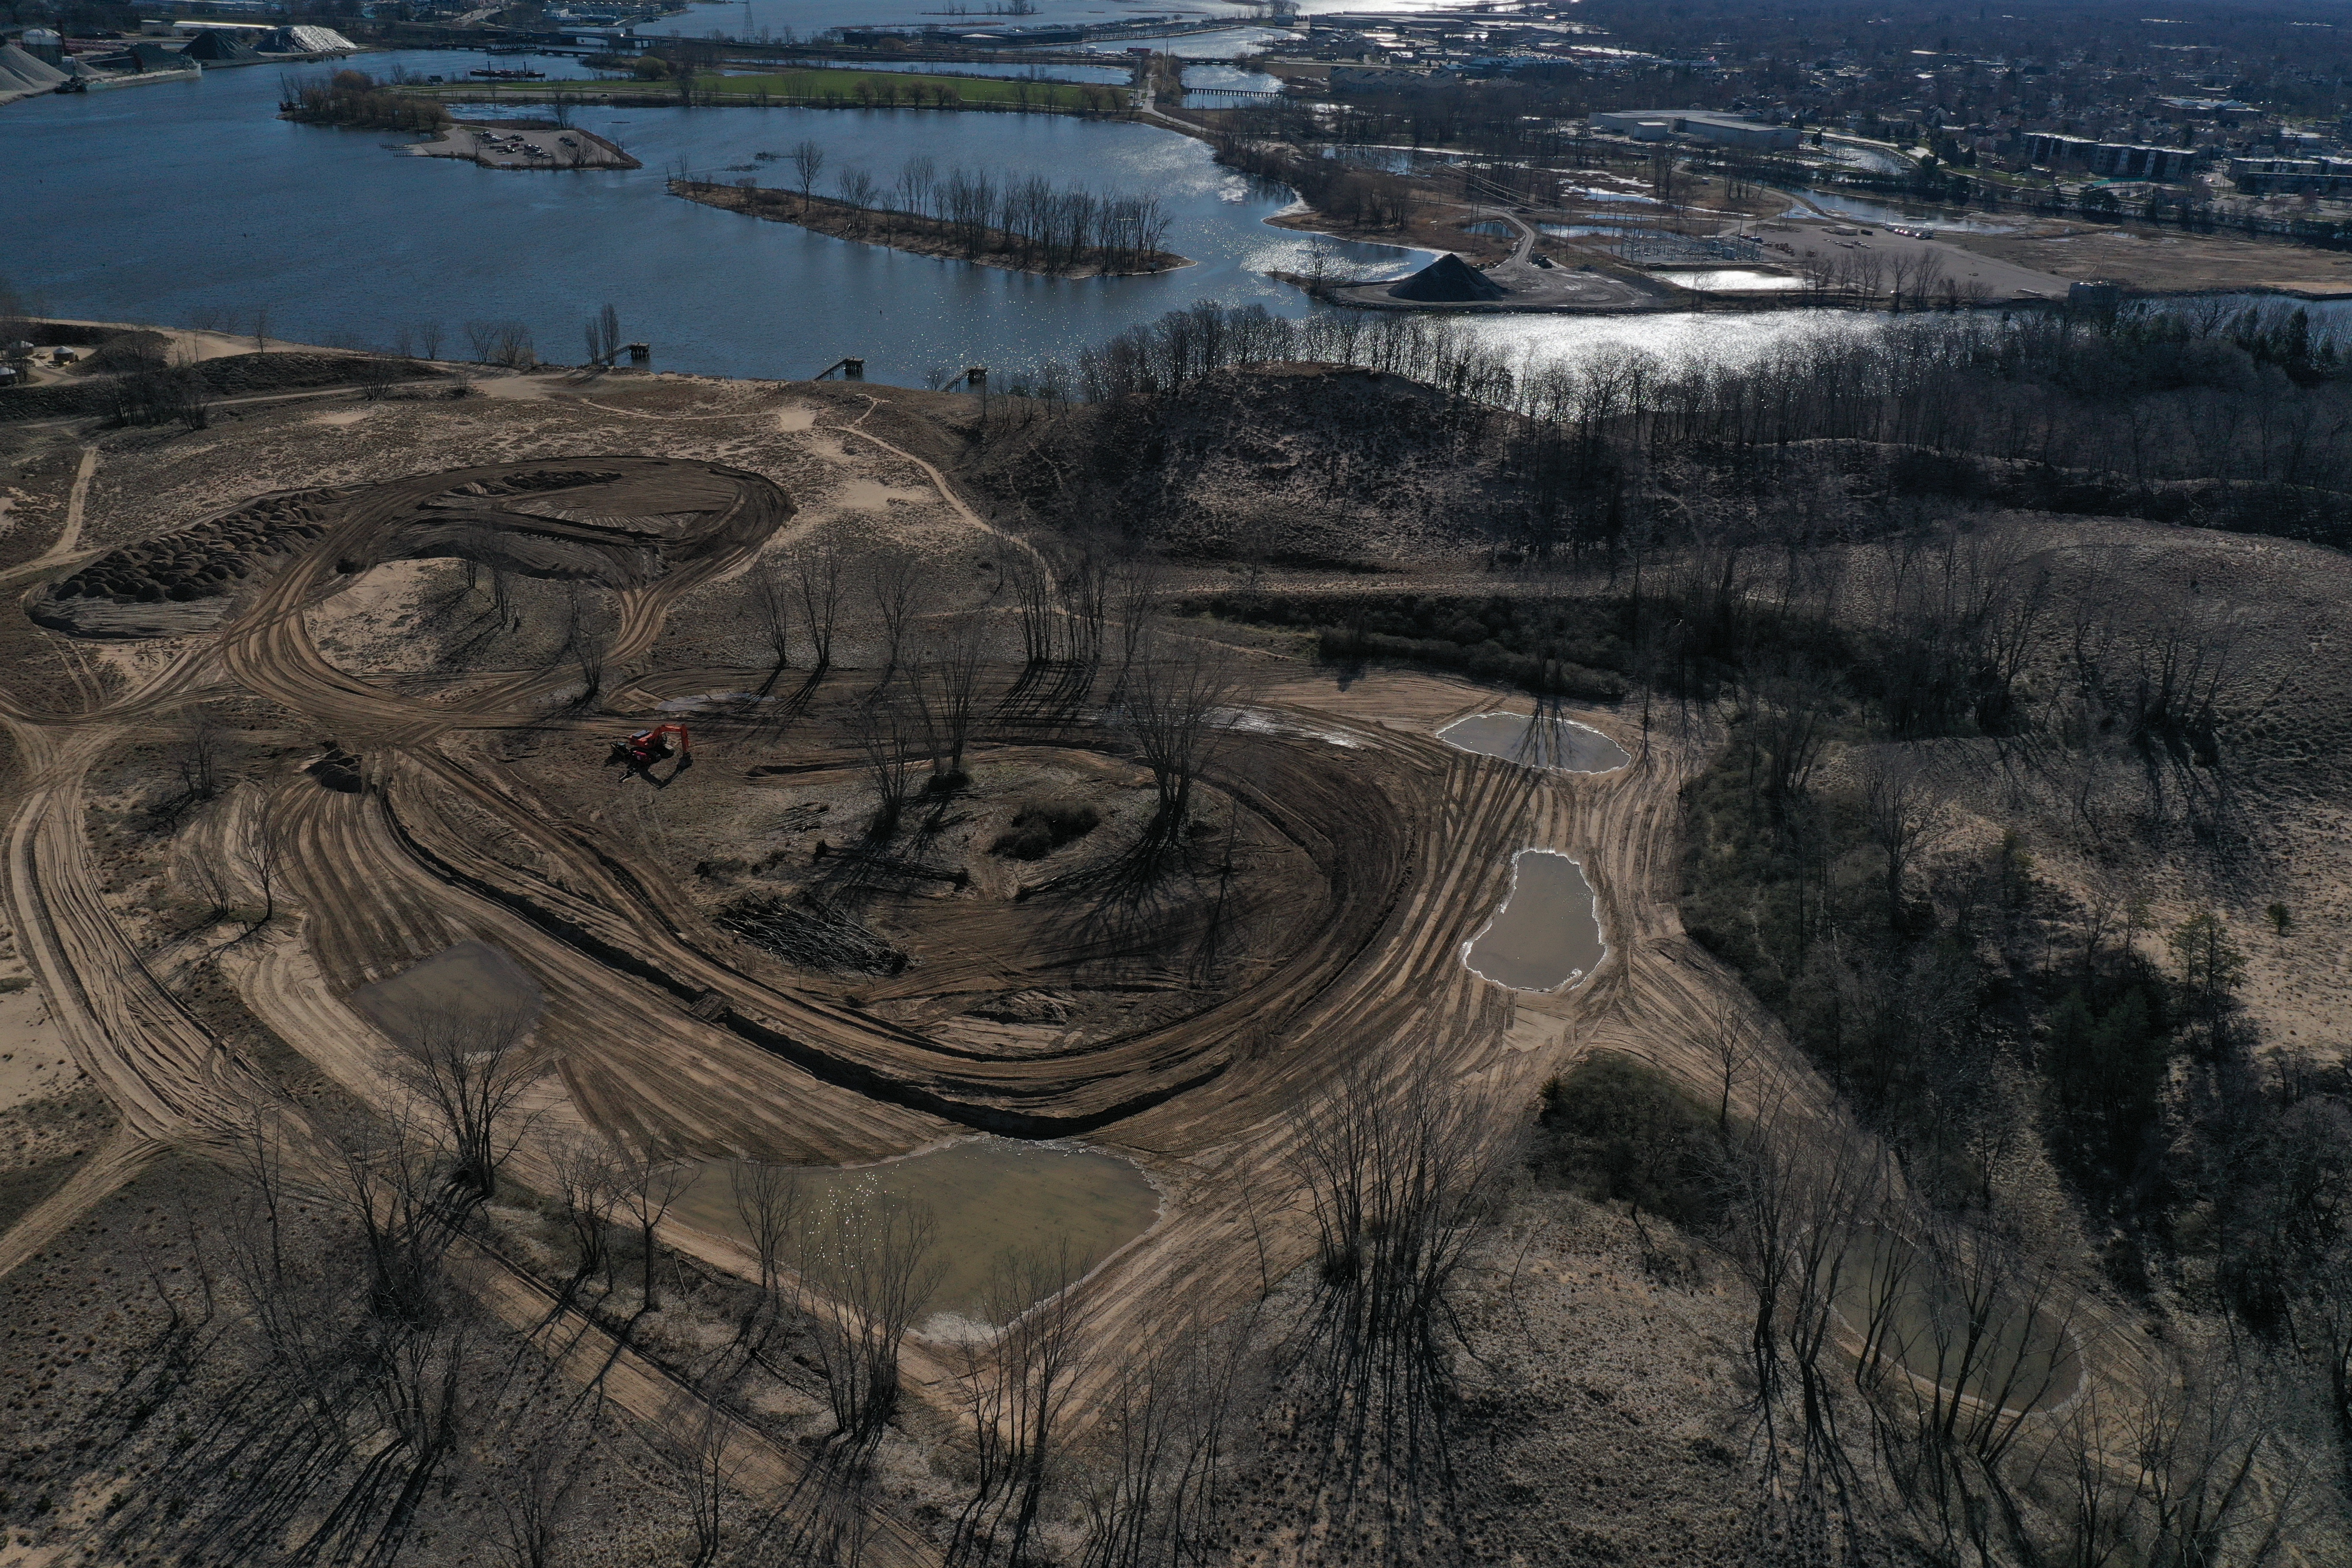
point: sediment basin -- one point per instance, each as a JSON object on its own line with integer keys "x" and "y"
{"x": 990, "y": 1196}
{"x": 1546, "y": 935}
{"x": 1537, "y": 743}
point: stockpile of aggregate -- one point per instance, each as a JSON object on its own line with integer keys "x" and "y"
{"x": 1448, "y": 281}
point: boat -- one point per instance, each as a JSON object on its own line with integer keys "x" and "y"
{"x": 510, "y": 75}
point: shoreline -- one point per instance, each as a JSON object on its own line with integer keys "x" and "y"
{"x": 900, "y": 231}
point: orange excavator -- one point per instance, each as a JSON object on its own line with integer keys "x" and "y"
{"x": 646, "y": 747}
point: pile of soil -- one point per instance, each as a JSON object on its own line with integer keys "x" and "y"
{"x": 199, "y": 562}
{"x": 1448, "y": 281}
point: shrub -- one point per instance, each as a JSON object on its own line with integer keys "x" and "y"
{"x": 1617, "y": 1128}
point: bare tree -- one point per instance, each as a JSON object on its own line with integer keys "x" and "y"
{"x": 771, "y": 602}
{"x": 1015, "y": 1387}
{"x": 535, "y": 1499}
{"x": 1175, "y": 699}
{"x": 807, "y": 158}
{"x": 1896, "y": 811}
{"x": 1401, "y": 1176}
{"x": 706, "y": 1468}
{"x": 198, "y": 756}
{"x": 816, "y": 580}
{"x": 1131, "y": 592}
{"x": 895, "y": 580}
{"x": 468, "y": 1069}
{"x": 259, "y": 840}
{"x": 358, "y": 1369}
{"x": 1727, "y": 1041}
{"x": 869, "y": 1258}
{"x": 1033, "y": 596}
{"x": 770, "y": 1204}
{"x": 588, "y": 1178}
{"x": 945, "y": 687}
{"x": 859, "y": 190}
{"x": 917, "y": 177}
{"x": 1084, "y": 580}
{"x": 648, "y": 1184}
{"x": 1156, "y": 1467}
{"x": 887, "y": 735}
{"x": 585, "y": 643}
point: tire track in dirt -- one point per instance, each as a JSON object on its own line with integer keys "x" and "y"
{"x": 1415, "y": 835}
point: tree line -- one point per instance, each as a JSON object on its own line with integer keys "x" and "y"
{"x": 2216, "y": 412}
{"x": 1050, "y": 225}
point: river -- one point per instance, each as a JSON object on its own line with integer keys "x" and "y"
{"x": 191, "y": 203}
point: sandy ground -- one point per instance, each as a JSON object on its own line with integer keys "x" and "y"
{"x": 2165, "y": 260}
{"x": 1202, "y": 1101}
{"x": 1963, "y": 264}
{"x": 500, "y": 147}
{"x": 34, "y": 1061}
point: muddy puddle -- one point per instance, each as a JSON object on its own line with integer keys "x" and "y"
{"x": 1539, "y": 742}
{"x": 1546, "y": 935}
{"x": 990, "y": 1196}
{"x": 466, "y": 985}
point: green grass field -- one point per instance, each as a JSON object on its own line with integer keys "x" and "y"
{"x": 885, "y": 88}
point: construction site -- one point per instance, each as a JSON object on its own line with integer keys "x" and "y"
{"x": 627, "y": 969}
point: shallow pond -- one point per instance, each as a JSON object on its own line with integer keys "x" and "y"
{"x": 990, "y": 1196}
{"x": 1898, "y": 1299}
{"x": 1539, "y": 742}
{"x": 466, "y": 983}
{"x": 1546, "y": 935}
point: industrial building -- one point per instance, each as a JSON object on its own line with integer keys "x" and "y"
{"x": 1725, "y": 129}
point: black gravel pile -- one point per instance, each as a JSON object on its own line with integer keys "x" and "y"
{"x": 1448, "y": 281}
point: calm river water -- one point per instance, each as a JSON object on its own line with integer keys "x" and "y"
{"x": 192, "y": 203}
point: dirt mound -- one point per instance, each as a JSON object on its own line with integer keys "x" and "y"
{"x": 1448, "y": 281}
{"x": 1301, "y": 465}
{"x": 235, "y": 374}
{"x": 182, "y": 582}
{"x": 205, "y": 562}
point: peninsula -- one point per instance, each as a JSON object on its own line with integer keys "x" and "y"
{"x": 1054, "y": 234}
